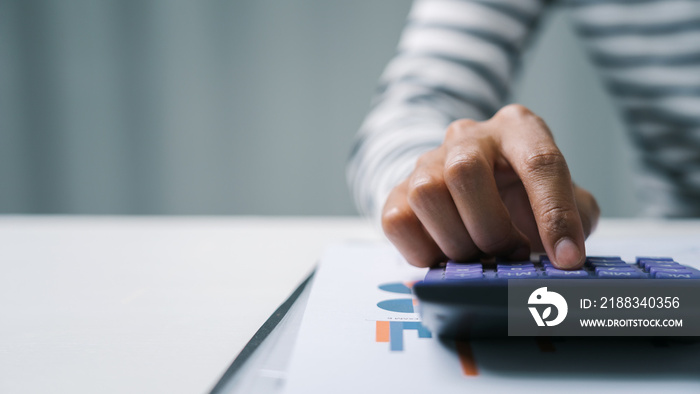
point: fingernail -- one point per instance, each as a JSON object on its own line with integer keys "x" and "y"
{"x": 567, "y": 254}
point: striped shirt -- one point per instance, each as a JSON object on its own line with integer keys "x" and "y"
{"x": 457, "y": 59}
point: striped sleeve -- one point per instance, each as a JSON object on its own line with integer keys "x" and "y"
{"x": 456, "y": 59}
{"x": 648, "y": 54}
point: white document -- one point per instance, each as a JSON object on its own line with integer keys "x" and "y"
{"x": 360, "y": 335}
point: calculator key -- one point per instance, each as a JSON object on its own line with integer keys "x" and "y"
{"x": 463, "y": 269}
{"x": 602, "y": 259}
{"x": 463, "y": 275}
{"x": 557, "y": 273}
{"x": 670, "y": 267}
{"x": 646, "y": 262}
{"x": 517, "y": 264}
{"x": 517, "y": 274}
{"x": 670, "y": 275}
{"x": 617, "y": 269}
{"x": 451, "y": 263}
{"x": 609, "y": 264}
{"x": 434, "y": 274}
{"x": 514, "y": 269}
{"x": 647, "y": 258}
{"x": 655, "y": 270}
{"x": 668, "y": 264}
{"x": 620, "y": 274}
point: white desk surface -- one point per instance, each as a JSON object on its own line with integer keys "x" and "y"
{"x": 158, "y": 304}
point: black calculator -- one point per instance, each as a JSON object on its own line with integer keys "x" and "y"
{"x": 470, "y": 300}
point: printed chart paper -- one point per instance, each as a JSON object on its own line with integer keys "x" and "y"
{"x": 360, "y": 334}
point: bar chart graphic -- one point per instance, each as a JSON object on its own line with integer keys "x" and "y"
{"x": 392, "y": 332}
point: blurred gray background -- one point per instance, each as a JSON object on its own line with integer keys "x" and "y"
{"x": 238, "y": 107}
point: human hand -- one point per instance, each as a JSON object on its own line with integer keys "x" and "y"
{"x": 497, "y": 188}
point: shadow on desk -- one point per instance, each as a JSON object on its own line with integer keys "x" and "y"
{"x": 618, "y": 358}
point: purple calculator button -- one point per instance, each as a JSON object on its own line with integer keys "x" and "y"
{"x": 517, "y": 264}
{"x": 451, "y": 263}
{"x": 666, "y": 264}
{"x": 557, "y": 273}
{"x": 651, "y": 258}
{"x": 602, "y": 259}
{"x": 610, "y": 264}
{"x": 680, "y": 270}
{"x": 468, "y": 267}
{"x": 517, "y": 274}
{"x": 644, "y": 262}
{"x": 434, "y": 274}
{"x": 515, "y": 269}
{"x": 672, "y": 275}
{"x": 655, "y": 263}
{"x": 620, "y": 274}
{"x": 626, "y": 268}
{"x": 596, "y": 260}
{"x": 463, "y": 269}
{"x": 463, "y": 275}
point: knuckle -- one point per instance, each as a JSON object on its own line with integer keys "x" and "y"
{"x": 555, "y": 219}
{"x": 395, "y": 219}
{"x": 514, "y": 111}
{"x": 463, "y": 167}
{"x": 463, "y": 123}
{"x": 545, "y": 159}
{"x": 459, "y": 126}
{"x": 424, "y": 186}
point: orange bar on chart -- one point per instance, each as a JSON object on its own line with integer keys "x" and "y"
{"x": 382, "y": 331}
{"x": 466, "y": 358}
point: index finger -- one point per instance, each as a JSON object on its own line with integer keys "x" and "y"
{"x": 527, "y": 144}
